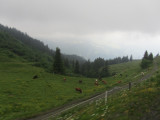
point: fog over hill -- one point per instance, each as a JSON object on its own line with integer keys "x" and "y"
{"x": 11, "y": 37}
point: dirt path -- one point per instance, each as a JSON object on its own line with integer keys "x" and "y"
{"x": 57, "y": 111}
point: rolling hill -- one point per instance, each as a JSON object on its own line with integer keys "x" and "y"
{"x": 22, "y": 97}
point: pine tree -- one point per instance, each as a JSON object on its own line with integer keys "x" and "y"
{"x": 150, "y": 57}
{"x": 145, "y": 55}
{"x": 131, "y": 58}
{"x": 145, "y": 63}
{"x": 104, "y": 71}
{"x": 76, "y": 69}
{"x": 66, "y": 63}
{"x": 73, "y": 64}
{"x": 157, "y": 55}
{"x": 147, "y": 60}
{"x": 58, "y": 65}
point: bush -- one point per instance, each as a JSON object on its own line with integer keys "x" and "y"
{"x": 145, "y": 63}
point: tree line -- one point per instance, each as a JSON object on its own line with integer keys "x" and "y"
{"x": 98, "y": 68}
{"x": 118, "y": 60}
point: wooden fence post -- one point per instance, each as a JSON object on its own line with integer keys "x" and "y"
{"x": 106, "y": 94}
{"x": 129, "y": 85}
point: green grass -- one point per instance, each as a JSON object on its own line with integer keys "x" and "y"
{"x": 142, "y": 102}
{"x": 131, "y": 71}
{"x": 22, "y": 97}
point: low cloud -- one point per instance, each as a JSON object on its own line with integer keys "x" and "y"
{"x": 90, "y": 28}
{"x": 108, "y": 45}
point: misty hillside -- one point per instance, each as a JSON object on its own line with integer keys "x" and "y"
{"x": 30, "y": 49}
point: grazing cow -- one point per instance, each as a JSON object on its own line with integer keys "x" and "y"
{"x": 119, "y": 81}
{"x": 121, "y": 75}
{"x": 78, "y": 89}
{"x": 64, "y": 79}
{"x": 80, "y": 81}
{"x": 104, "y": 82}
{"x": 142, "y": 73}
{"x": 35, "y": 77}
{"x": 96, "y": 82}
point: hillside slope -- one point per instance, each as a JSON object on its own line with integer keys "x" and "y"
{"x": 140, "y": 103}
{"x": 24, "y": 97}
{"x": 13, "y": 47}
{"x": 30, "y": 49}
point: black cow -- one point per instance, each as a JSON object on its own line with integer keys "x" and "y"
{"x": 35, "y": 77}
{"x": 121, "y": 75}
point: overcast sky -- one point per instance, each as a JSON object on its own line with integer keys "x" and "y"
{"x": 89, "y": 28}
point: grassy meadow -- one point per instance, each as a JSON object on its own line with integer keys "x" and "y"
{"x": 24, "y": 97}
{"x": 142, "y": 102}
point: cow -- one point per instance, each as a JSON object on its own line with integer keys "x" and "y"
{"x": 96, "y": 82}
{"x": 104, "y": 82}
{"x": 142, "y": 73}
{"x": 121, "y": 75}
{"x": 78, "y": 89}
{"x": 80, "y": 81}
{"x": 35, "y": 77}
{"x": 119, "y": 81}
{"x": 64, "y": 79}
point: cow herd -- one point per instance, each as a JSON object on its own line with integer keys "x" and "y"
{"x": 96, "y": 83}
{"x": 80, "y": 82}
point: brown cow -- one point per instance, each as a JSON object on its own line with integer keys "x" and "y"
{"x": 78, "y": 89}
{"x": 104, "y": 82}
{"x": 119, "y": 81}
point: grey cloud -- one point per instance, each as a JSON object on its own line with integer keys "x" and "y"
{"x": 78, "y": 16}
{"x": 65, "y": 21}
